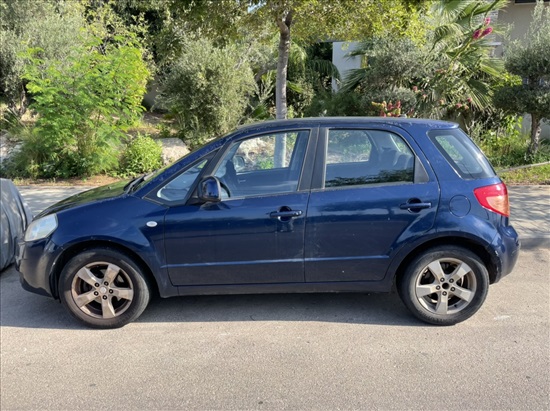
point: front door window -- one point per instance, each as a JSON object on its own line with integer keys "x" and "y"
{"x": 267, "y": 164}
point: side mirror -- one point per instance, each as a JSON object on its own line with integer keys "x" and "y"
{"x": 209, "y": 190}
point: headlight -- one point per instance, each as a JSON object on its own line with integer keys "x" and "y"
{"x": 41, "y": 228}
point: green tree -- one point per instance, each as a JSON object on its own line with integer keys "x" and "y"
{"x": 84, "y": 104}
{"x": 207, "y": 90}
{"x": 51, "y": 26}
{"x": 461, "y": 55}
{"x": 530, "y": 59}
{"x": 452, "y": 70}
{"x": 314, "y": 20}
{"x": 309, "y": 21}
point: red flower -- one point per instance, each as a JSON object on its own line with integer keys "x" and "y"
{"x": 487, "y": 31}
{"x": 477, "y": 34}
{"x": 469, "y": 99}
{"x": 487, "y": 21}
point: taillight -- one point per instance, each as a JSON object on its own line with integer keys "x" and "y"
{"x": 494, "y": 198}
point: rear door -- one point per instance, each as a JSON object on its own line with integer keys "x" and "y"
{"x": 371, "y": 193}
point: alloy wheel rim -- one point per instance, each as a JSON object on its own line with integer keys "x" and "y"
{"x": 445, "y": 286}
{"x": 102, "y": 290}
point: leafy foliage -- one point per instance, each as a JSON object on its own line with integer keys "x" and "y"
{"x": 452, "y": 65}
{"x": 142, "y": 155}
{"x": 530, "y": 59}
{"x": 389, "y": 63}
{"x": 207, "y": 90}
{"x": 52, "y": 27}
{"x": 84, "y": 104}
{"x": 337, "y": 104}
{"x": 461, "y": 55}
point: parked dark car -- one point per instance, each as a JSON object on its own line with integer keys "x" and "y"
{"x": 15, "y": 215}
{"x": 308, "y": 205}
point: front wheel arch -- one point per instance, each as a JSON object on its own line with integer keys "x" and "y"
{"x": 78, "y": 248}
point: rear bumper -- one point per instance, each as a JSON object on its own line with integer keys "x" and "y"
{"x": 506, "y": 246}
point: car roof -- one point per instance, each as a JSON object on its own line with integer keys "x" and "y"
{"x": 326, "y": 121}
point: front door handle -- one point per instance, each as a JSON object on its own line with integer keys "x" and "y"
{"x": 285, "y": 214}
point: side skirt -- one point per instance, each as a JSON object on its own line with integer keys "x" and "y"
{"x": 334, "y": 287}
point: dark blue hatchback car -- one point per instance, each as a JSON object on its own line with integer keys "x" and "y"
{"x": 307, "y": 205}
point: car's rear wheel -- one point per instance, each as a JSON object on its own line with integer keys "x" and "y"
{"x": 103, "y": 288}
{"x": 444, "y": 285}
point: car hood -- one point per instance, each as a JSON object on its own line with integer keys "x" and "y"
{"x": 86, "y": 197}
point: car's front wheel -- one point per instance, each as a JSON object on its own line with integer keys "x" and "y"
{"x": 444, "y": 285}
{"x": 103, "y": 288}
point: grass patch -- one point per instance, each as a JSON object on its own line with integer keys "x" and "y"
{"x": 534, "y": 175}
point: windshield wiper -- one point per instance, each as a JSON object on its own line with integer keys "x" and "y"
{"x": 134, "y": 183}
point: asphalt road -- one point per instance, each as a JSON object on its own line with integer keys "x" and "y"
{"x": 331, "y": 351}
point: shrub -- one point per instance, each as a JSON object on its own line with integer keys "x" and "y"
{"x": 143, "y": 154}
{"x": 530, "y": 59}
{"x": 406, "y": 98}
{"x": 50, "y": 26}
{"x": 206, "y": 90}
{"x": 85, "y": 104}
{"x": 337, "y": 104}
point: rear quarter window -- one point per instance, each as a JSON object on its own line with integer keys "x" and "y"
{"x": 462, "y": 154}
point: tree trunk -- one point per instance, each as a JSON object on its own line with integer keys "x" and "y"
{"x": 535, "y": 134}
{"x": 284, "y": 22}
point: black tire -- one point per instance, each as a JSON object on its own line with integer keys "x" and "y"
{"x": 103, "y": 288}
{"x": 444, "y": 285}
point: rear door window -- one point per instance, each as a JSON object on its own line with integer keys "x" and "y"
{"x": 462, "y": 154}
{"x": 359, "y": 157}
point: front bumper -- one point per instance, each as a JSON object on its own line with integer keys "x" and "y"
{"x": 34, "y": 261}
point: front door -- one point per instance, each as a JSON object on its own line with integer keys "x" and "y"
{"x": 255, "y": 235}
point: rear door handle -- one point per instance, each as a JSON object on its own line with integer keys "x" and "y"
{"x": 414, "y": 204}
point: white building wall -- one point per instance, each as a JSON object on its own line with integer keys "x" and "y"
{"x": 342, "y": 61}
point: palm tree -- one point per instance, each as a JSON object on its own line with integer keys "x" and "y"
{"x": 461, "y": 51}
{"x": 454, "y": 65}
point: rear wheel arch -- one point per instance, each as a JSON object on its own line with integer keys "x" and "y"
{"x": 78, "y": 248}
{"x": 456, "y": 241}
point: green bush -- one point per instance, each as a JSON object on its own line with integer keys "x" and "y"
{"x": 207, "y": 90}
{"x": 85, "y": 104}
{"x": 530, "y": 59}
{"x": 504, "y": 145}
{"x": 28, "y": 160}
{"x": 337, "y": 104}
{"x": 143, "y": 154}
{"x": 50, "y": 26}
